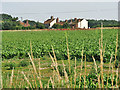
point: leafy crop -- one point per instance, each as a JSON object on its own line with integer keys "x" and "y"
{"x": 17, "y": 44}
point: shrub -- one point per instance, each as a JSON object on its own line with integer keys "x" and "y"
{"x": 11, "y": 65}
{"x": 6, "y": 65}
{"x": 23, "y": 63}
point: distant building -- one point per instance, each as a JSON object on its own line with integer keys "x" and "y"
{"x": 58, "y": 22}
{"x": 25, "y": 24}
{"x": 78, "y": 23}
{"x": 50, "y": 22}
{"x": 74, "y": 23}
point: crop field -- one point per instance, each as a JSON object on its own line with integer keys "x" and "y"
{"x": 65, "y": 59}
{"x": 17, "y": 44}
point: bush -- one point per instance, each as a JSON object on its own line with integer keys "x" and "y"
{"x": 5, "y": 65}
{"x": 11, "y": 65}
{"x": 23, "y": 63}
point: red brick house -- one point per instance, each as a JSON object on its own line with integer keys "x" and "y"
{"x": 25, "y": 24}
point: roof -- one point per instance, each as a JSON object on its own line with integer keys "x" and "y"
{"x": 48, "y": 21}
{"x": 22, "y": 23}
{"x": 74, "y": 21}
{"x": 61, "y": 23}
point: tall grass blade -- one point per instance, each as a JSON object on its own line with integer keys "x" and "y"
{"x": 75, "y": 75}
{"x": 80, "y": 81}
{"x": 35, "y": 70}
{"x": 55, "y": 64}
{"x": 26, "y": 79}
{"x": 117, "y": 78}
{"x": 11, "y": 78}
{"x": 33, "y": 64}
{"x": 68, "y": 52}
{"x": 52, "y": 82}
{"x": 82, "y": 61}
{"x": 101, "y": 55}
{"x": 66, "y": 75}
{"x": 116, "y": 49}
{"x": 95, "y": 64}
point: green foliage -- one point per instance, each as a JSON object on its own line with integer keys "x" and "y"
{"x": 106, "y": 23}
{"x": 15, "y": 19}
{"x": 40, "y": 25}
{"x": 11, "y": 65}
{"x": 32, "y": 23}
{"x": 6, "y": 17}
{"x": 57, "y": 26}
{"x": 23, "y": 63}
{"x": 66, "y": 25}
{"x": 17, "y": 44}
{"x": 61, "y": 70}
{"x": 116, "y": 64}
{"x": 12, "y": 23}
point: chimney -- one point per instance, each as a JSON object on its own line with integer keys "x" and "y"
{"x": 27, "y": 22}
{"x": 52, "y": 17}
{"x": 75, "y": 19}
{"x": 78, "y": 20}
{"x": 57, "y": 20}
{"x": 71, "y": 20}
{"x": 66, "y": 21}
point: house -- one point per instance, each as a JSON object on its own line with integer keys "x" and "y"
{"x": 25, "y": 24}
{"x": 74, "y": 23}
{"x": 58, "y": 22}
{"x": 50, "y": 22}
{"x": 78, "y": 23}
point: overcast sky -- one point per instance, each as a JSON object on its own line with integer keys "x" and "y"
{"x": 60, "y": 0}
{"x": 64, "y": 10}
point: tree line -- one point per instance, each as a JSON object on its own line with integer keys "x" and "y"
{"x": 12, "y": 23}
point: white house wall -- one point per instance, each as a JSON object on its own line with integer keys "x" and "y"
{"x": 84, "y": 24}
{"x": 79, "y": 25}
{"x": 52, "y": 23}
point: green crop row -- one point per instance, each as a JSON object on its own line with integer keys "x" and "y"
{"x": 17, "y": 44}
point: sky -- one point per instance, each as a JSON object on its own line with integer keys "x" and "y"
{"x": 40, "y": 11}
{"x": 59, "y": 0}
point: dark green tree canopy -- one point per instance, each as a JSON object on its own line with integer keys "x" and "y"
{"x": 57, "y": 26}
{"x": 6, "y": 17}
{"x": 66, "y": 25}
{"x": 40, "y": 25}
{"x": 106, "y": 23}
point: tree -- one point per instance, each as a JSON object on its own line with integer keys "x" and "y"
{"x": 15, "y": 19}
{"x": 40, "y": 25}
{"x": 66, "y": 25}
{"x": 6, "y": 26}
{"x": 6, "y": 17}
{"x": 106, "y": 23}
{"x": 57, "y": 26}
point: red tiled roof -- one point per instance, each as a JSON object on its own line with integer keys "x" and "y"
{"x": 61, "y": 23}
{"x": 25, "y": 24}
{"x": 22, "y": 23}
{"x": 48, "y": 21}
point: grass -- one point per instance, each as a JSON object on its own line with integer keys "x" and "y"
{"x": 46, "y": 72}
